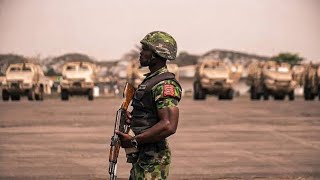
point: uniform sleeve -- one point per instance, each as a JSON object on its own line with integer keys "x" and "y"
{"x": 166, "y": 94}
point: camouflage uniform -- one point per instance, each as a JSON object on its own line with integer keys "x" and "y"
{"x": 154, "y": 159}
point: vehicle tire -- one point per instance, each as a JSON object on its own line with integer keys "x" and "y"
{"x": 253, "y": 93}
{"x": 5, "y": 95}
{"x": 319, "y": 92}
{"x": 312, "y": 96}
{"x": 276, "y": 97}
{"x": 229, "y": 94}
{"x": 199, "y": 93}
{"x": 41, "y": 94}
{"x": 195, "y": 91}
{"x": 307, "y": 94}
{"x": 64, "y": 95}
{"x": 291, "y": 96}
{"x": 15, "y": 97}
{"x": 202, "y": 94}
{"x": 31, "y": 94}
{"x": 259, "y": 96}
{"x": 266, "y": 94}
{"x": 221, "y": 97}
{"x": 279, "y": 97}
{"x": 37, "y": 97}
{"x": 90, "y": 95}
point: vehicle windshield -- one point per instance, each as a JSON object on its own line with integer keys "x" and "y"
{"x": 26, "y": 69}
{"x": 71, "y": 68}
{"x": 83, "y": 68}
{"x": 271, "y": 68}
{"x": 15, "y": 69}
{"x": 214, "y": 67}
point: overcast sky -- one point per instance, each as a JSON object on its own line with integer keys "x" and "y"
{"x": 107, "y": 29}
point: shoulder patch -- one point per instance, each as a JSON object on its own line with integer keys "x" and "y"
{"x": 168, "y": 90}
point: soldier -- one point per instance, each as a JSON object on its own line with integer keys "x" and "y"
{"x": 155, "y": 111}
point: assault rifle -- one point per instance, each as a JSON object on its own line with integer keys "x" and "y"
{"x": 122, "y": 126}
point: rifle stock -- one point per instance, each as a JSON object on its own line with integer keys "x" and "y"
{"x": 120, "y": 125}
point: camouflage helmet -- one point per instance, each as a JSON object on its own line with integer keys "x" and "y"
{"x": 161, "y": 43}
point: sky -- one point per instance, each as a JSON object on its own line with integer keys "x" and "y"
{"x": 106, "y": 29}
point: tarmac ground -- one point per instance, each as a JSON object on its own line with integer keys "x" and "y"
{"x": 225, "y": 140}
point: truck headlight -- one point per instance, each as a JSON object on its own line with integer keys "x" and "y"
{"x": 229, "y": 81}
{"x": 64, "y": 83}
{"x": 233, "y": 69}
{"x": 269, "y": 81}
{"x": 205, "y": 80}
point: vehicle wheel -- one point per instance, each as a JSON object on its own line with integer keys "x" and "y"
{"x": 31, "y": 95}
{"x": 229, "y": 94}
{"x": 198, "y": 92}
{"x": 319, "y": 92}
{"x": 37, "y": 97}
{"x": 279, "y": 97}
{"x": 259, "y": 96}
{"x": 307, "y": 94}
{"x": 221, "y": 97}
{"x": 253, "y": 93}
{"x": 5, "y": 95}
{"x": 64, "y": 95}
{"x": 266, "y": 94}
{"x": 202, "y": 94}
{"x": 15, "y": 97}
{"x": 195, "y": 92}
{"x": 291, "y": 96}
{"x": 312, "y": 96}
{"x": 282, "y": 97}
{"x": 41, "y": 94}
{"x": 90, "y": 95}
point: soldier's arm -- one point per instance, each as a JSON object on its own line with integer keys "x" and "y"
{"x": 167, "y": 126}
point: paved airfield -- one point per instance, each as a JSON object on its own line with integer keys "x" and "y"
{"x": 237, "y": 139}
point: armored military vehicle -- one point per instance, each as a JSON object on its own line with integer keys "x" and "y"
{"x": 271, "y": 79}
{"x": 24, "y": 79}
{"x": 78, "y": 78}
{"x": 311, "y": 85}
{"x": 298, "y": 72}
{"x": 212, "y": 77}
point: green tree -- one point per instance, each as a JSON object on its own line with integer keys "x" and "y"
{"x": 288, "y": 58}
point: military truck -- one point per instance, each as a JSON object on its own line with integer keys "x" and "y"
{"x": 136, "y": 74}
{"x": 298, "y": 71}
{"x": 213, "y": 77}
{"x": 78, "y": 78}
{"x": 311, "y": 85}
{"x": 24, "y": 79}
{"x": 271, "y": 79}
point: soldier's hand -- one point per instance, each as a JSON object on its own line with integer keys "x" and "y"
{"x": 125, "y": 139}
{"x": 129, "y": 117}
